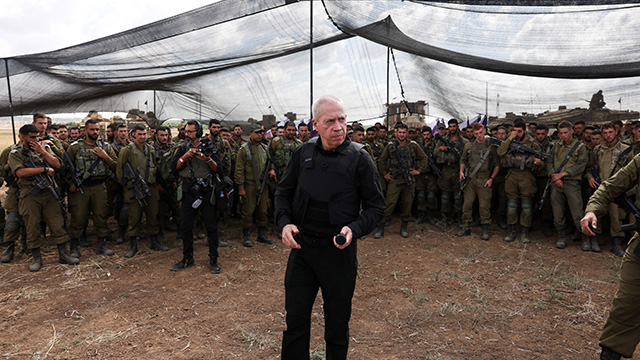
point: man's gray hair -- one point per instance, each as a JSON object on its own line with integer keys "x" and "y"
{"x": 322, "y": 100}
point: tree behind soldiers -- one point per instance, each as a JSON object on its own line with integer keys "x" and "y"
{"x": 546, "y": 146}
{"x": 427, "y": 182}
{"x": 14, "y": 223}
{"x": 569, "y": 159}
{"x": 621, "y": 333}
{"x": 520, "y": 183}
{"x": 400, "y": 162}
{"x": 33, "y": 163}
{"x": 142, "y": 159}
{"x": 250, "y": 167}
{"x": 94, "y": 161}
{"x": 197, "y": 164}
{"x": 482, "y": 162}
{"x": 281, "y": 148}
{"x": 449, "y": 183}
{"x": 604, "y": 161}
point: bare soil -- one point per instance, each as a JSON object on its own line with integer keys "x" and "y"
{"x": 431, "y": 296}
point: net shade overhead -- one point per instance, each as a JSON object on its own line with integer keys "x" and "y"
{"x": 245, "y": 58}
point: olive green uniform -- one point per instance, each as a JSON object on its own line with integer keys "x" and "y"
{"x": 168, "y": 207}
{"x": 472, "y": 155}
{"x": 14, "y": 220}
{"x": 280, "y": 150}
{"x": 413, "y": 157}
{"x": 607, "y": 161}
{"x": 247, "y": 180}
{"x": 114, "y": 191}
{"x": 37, "y": 207}
{"x": 94, "y": 196}
{"x": 143, "y": 163}
{"x": 225, "y": 152}
{"x": 520, "y": 182}
{"x": 541, "y": 181}
{"x": 571, "y": 191}
{"x": 377, "y": 147}
{"x": 621, "y": 333}
{"x": 427, "y": 185}
{"x": 449, "y": 183}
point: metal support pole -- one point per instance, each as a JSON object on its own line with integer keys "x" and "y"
{"x": 388, "y": 105}
{"x": 13, "y": 124}
{"x": 311, "y": 59}
{"x": 154, "y": 104}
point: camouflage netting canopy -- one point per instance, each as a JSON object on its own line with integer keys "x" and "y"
{"x": 244, "y": 58}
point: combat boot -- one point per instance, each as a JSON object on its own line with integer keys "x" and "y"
{"x": 586, "y": 243}
{"x": 524, "y": 237}
{"x": 458, "y": 217}
{"x": 102, "y": 247}
{"x": 133, "y": 249}
{"x": 485, "y": 232}
{"x": 156, "y": 245}
{"x": 36, "y": 264}
{"x": 214, "y": 267}
{"x": 7, "y": 256}
{"x": 245, "y": 238}
{"x": 64, "y": 258}
{"x": 121, "y": 234}
{"x": 562, "y": 240}
{"x": 422, "y": 217}
{"x": 186, "y": 262}
{"x": 83, "y": 239}
{"x": 617, "y": 248}
{"x": 465, "y": 231}
{"x": 380, "y": 233}
{"x": 502, "y": 222}
{"x": 262, "y": 237}
{"x": 595, "y": 247}
{"x": 511, "y": 235}
{"x": 403, "y": 230}
{"x": 608, "y": 354}
{"x": 73, "y": 248}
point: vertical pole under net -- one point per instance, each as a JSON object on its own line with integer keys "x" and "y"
{"x": 13, "y": 124}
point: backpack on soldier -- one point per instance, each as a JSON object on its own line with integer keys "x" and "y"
{"x": 222, "y": 196}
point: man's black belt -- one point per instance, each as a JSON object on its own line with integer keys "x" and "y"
{"x": 94, "y": 182}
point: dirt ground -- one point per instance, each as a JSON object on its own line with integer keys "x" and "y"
{"x": 431, "y": 296}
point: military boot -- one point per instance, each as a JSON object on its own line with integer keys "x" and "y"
{"x": 214, "y": 267}
{"x": 458, "y": 218}
{"x": 586, "y": 243}
{"x": 186, "y": 262}
{"x": 502, "y": 222}
{"x": 73, "y": 248}
{"x": 64, "y": 258}
{"x": 595, "y": 247}
{"x": 121, "y": 234}
{"x": 380, "y": 233}
{"x": 608, "y": 354}
{"x": 245, "y": 238}
{"x": 465, "y": 231}
{"x": 156, "y": 245}
{"x": 84, "y": 242}
{"x": 511, "y": 235}
{"x": 403, "y": 230}
{"x": 7, "y": 256}
{"x": 133, "y": 249}
{"x": 422, "y": 217}
{"x": 562, "y": 240}
{"x": 524, "y": 236}
{"x": 617, "y": 248}
{"x": 36, "y": 264}
{"x": 102, "y": 247}
{"x": 485, "y": 232}
{"x": 262, "y": 237}
{"x": 431, "y": 218}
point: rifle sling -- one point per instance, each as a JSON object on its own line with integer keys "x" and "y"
{"x": 256, "y": 176}
{"x": 566, "y": 158}
{"x": 477, "y": 168}
{"x": 620, "y": 156}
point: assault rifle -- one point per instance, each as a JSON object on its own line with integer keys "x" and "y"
{"x": 521, "y": 148}
{"x": 70, "y": 171}
{"x": 432, "y": 162}
{"x": 44, "y": 181}
{"x": 451, "y": 145}
{"x": 401, "y": 164}
{"x": 139, "y": 186}
{"x": 466, "y": 179}
{"x": 625, "y": 201}
{"x": 265, "y": 180}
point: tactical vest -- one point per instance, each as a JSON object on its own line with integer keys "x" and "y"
{"x": 401, "y": 154}
{"x": 478, "y": 151}
{"x": 447, "y": 157}
{"x": 29, "y": 182}
{"x": 517, "y": 161}
{"x": 261, "y": 161}
{"x": 195, "y": 168}
{"x": 85, "y": 159}
{"x": 143, "y": 161}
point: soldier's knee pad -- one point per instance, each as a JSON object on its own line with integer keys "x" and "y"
{"x": 431, "y": 198}
{"x": 457, "y": 197}
{"x": 14, "y": 220}
{"x": 527, "y": 207}
{"x": 512, "y": 206}
{"x": 124, "y": 213}
{"x": 421, "y": 196}
{"x": 446, "y": 197}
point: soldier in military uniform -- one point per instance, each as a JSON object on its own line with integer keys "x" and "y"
{"x": 546, "y": 146}
{"x": 14, "y": 224}
{"x": 449, "y": 183}
{"x": 374, "y": 144}
{"x": 40, "y": 121}
{"x": 621, "y": 333}
{"x": 401, "y": 161}
{"x": 178, "y": 139}
{"x": 115, "y": 201}
{"x": 604, "y": 161}
{"x": 281, "y": 148}
{"x": 520, "y": 183}
{"x": 26, "y": 161}
{"x": 142, "y": 158}
{"x": 250, "y": 164}
{"x": 223, "y": 146}
{"x": 168, "y": 208}
{"x": 482, "y": 163}
{"x": 94, "y": 161}
{"x": 196, "y": 161}
{"x": 427, "y": 182}
{"x": 565, "y": 180}
{"x": 499, "y": 197}
{"x": 303, "y": 132}
{"x": 236, "y": 138}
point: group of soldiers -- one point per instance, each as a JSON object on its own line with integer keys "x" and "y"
{"x": 448, "y": 176}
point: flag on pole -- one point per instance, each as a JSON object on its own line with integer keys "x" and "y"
{"x": 145, "y": 102}
{"x": 435, "y": 127}
{"x": 484, "y": 121}
{"x": 620, "y": 101}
